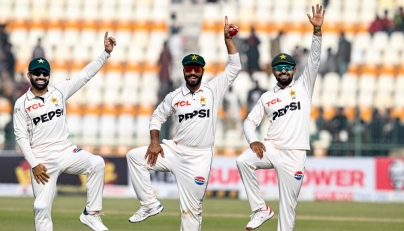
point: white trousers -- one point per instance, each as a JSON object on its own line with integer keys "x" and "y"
{"x": 191, "y": 168}
{"x": 71, "y": 162}
{"x": 289, "y": 166}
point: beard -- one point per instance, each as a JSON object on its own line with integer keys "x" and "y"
{"x": 285, "y": 81}
{"x": 38, "y": 86}
{"x": 193, "y": 83}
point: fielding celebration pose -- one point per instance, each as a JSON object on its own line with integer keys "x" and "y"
{"x": 288, "y": 107}
{"x": 41, "y": 130}
{"x": 189, "y": 155}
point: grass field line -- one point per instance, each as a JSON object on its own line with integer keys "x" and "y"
{"x": 229, "y": 215}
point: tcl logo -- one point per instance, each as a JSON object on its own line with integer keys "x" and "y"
{"x": 182, "y": 104}
{"x": 35, "y": 106}
{"x": 274, "y": 101}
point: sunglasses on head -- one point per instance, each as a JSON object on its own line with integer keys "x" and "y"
{"x": 196, "y": 68}
{"x": 285, "y": 67}
{"x": 39, "y": 72}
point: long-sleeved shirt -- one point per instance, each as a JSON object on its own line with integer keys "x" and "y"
{"x": 288, "y": 109}
{"x": 196, "y": 112}
{"x": 40, "y": 123}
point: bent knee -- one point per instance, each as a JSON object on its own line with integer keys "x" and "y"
{"x": 98, "y": 162}
{"x": 38, "y": 207}
{"x": 135, "y": 154}
{"x": 241, "y": 160}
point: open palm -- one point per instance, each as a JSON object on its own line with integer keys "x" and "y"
{"x": 318, "y": 16}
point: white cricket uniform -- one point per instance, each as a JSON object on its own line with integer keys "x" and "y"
{"x": 41, "y": 130}
{"x": 189, "y": 155}
{"x": 286, "y": 142}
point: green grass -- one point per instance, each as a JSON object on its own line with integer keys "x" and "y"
{"x": 218, "y": 215}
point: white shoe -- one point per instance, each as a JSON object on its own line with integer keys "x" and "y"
{"x": 259, "y": 217}
{"x": 93, "y": 221}
{"x": 143, "y": 213}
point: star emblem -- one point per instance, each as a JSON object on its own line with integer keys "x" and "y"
{"x": 41, "y": 61}
{"x": 54, "y": 100}
{"x": 202, "y": 100}
{"x": 292, "y": 93}
{"x": 194, "y": 57}
{"x": 282, "y": 56}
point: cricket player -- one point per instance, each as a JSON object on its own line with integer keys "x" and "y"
{"x": 288, "y": 107}
{"x": 189, "y": 155}
{"x": 41, "y": 130}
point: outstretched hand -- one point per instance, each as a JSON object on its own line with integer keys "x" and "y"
{"x": 109, "y": 43}
{"x": 318, "y": 16}
{"x": 227, "y": 28}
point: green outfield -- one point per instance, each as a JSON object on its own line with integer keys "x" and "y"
{"x": 218, "y": 215}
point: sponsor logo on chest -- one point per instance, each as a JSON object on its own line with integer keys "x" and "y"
{"x": 274, "y": 101}
{"x": 34, "y": 106}
{"x": 197, "y": 113}
{"x": 182, "y": 104}
{"x": 47, "y": 116}
{"x": 281, "y": 112}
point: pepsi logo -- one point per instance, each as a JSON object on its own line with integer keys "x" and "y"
{"x": 199, "y": 180}
{"x": 298, "y": 175}
{"x": 76, "y": 150}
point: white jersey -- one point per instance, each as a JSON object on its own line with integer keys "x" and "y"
{"x": 196, "y": 113}
{"x": 41, "y": 120}
{"x": 288, "y": 109}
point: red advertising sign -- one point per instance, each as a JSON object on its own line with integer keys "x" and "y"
{"x": 390, "y": 174}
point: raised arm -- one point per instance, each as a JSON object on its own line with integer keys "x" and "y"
{"x": 231, "y": 47}
{"x": 109, "y": 43}
{"x": 310, "y": 71}
{"x": 317, "y": 19}
{"x": 221, "y": 83}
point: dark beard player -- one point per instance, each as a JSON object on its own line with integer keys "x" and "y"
{"x": 283, "y": 68}
{"x": 193, "y": 73}
{"x": 39, "y": 78}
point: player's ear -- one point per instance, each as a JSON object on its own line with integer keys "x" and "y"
{"x": 29, "y": 75}
{"x": 273, "y": 71}
{"x": 294, "y": 70}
